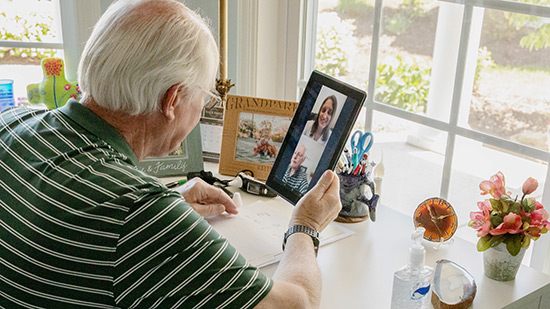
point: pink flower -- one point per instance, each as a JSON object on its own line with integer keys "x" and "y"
{"x": 511, "y": 224}
{"x": 495, "y": 186}
{"x": 539, "y": 218}
{"x": 480, "y": 222}
{"x": 480, "y": 219}
{"x": 485, "y": 206}
{"x": 67, "y": 86}
{"x": 530, "y": 185}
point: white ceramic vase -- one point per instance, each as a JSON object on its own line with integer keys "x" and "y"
{"x": 500, "y": 265}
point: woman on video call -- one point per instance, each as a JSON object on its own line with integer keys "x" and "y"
{"x": 319, "y": 129}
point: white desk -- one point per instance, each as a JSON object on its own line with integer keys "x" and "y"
{"x": 358, "y": 271}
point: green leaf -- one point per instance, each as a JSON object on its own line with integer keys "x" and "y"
{"x": 496, "y": 240}
{"x": 515, "y": 208}
{"x": 505, "y": 206}
{"x": 528, "y": 204}
{"x": 496, "y": 205}
{"x": 513, "y": 244}
{"x": 496, "y": 219}
{"x": 484, "y": 243}
{"x": 526, "y": 242}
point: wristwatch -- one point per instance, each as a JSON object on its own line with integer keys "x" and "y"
{"x": 306, "y": 230}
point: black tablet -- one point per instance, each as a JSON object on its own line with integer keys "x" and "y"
{"x": 316, "y": 136}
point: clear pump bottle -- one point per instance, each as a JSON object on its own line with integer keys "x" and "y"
{"x": 412, "y": 283}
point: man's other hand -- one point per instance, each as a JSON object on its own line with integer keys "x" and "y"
{"x": 206, "y": 199}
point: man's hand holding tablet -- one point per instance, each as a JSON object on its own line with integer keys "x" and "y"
{"x": 316, "y": 136}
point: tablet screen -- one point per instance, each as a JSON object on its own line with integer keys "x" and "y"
{"x": 316, "y": 136}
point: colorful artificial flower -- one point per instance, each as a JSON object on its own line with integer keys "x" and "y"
{"x": 503, "y": 219}
{"x": 494, "y": 186}
{"x": 511, "y": 224}
{"x": 53, "y": 66}
{"x": 530, "y": 185}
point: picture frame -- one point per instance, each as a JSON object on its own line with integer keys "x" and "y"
{"x": 187, "y": 158}
{"x": 253, "y": 130}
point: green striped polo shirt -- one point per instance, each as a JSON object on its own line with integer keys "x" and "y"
{"x": 81, "y": 226}
{"x": 298, "y": 181}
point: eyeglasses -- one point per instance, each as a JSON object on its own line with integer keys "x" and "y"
{"x": 212, "y": 99}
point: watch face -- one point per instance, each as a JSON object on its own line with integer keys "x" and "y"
{"x": 438, "y": 217}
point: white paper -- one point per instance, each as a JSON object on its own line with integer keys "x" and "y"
{"x": 257, "y": 231}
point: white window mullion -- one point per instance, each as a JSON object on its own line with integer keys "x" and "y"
{"x": 309, "y": 42}
{"x": 21, "y": 44}
{"x": 78, "y": 18}
{"x": 540, "y": 258}
{"x": 376, "y": 30}
{"x": 248, "y": 47}
{"x": 457, "y": 95}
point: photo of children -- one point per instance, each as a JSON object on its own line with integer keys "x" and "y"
{"x": 259, "y": 137}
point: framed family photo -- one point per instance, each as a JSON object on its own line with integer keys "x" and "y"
{"x": 253, "y": 131}
{"x": 187, "y": 158}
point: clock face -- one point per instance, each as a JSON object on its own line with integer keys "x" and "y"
{"x": 438, "y": 217}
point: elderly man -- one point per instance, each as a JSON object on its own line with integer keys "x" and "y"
{"x": 80, "y": 226}
{"x": 295, "y": 176}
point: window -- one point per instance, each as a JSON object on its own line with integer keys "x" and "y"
{"x": 457, "y": 92}
{"x": 31, "y": 30}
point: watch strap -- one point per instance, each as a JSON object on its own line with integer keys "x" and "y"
{"x": 306, "y": 230}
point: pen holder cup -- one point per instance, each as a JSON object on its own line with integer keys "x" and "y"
{"x": 358, "y": 197}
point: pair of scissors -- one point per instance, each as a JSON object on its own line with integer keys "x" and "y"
{"x": 362, "y": 141}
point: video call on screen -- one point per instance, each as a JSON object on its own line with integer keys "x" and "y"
{"x": 314, "y": 137}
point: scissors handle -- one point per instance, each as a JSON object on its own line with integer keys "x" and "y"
{"x": 352, "y": 140}
{"x": 365, "y": 145}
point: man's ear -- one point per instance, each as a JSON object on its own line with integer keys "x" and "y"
{"x": 168, "y": 104}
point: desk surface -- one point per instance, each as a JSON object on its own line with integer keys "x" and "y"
{"x": 358, "y": 270}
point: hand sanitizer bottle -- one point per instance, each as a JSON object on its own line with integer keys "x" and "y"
{"x": 412, "y": 283}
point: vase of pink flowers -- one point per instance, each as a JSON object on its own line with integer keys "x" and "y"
{"x": 506, "y": 226}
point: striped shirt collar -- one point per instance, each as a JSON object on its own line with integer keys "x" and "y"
{"x": 99, "y": 127}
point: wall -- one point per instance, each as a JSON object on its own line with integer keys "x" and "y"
{"x": 80, "y": 16}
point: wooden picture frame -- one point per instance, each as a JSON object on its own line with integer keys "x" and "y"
{"x": 187, "y": 158}
{"x": 253, "y": 131}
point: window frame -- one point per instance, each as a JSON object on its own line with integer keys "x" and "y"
{"x": 77, "y": 21}
{"x": 540, "y": 259}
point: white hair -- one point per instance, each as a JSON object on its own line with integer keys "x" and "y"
{"x": 139, "y": 49}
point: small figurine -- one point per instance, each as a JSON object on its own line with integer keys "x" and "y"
{"x": 356, "y": 204}
{"x": 54, "y": 90}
